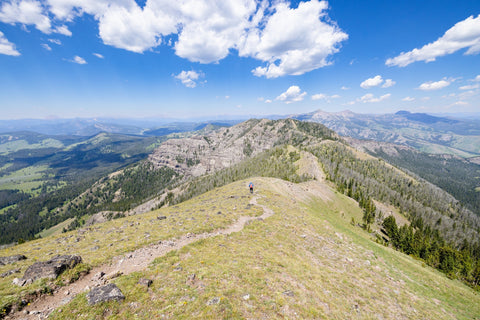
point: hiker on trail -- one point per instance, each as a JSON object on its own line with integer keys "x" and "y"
{"x": 251, "y": 187}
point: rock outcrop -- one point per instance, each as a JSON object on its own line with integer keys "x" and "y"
{"x": 50, "y": 269}
{"x": 11, "y": 259}
{"x": 225, "y": 147}
{"x": 105, "y": 293}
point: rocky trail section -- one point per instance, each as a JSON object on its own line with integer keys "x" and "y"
{"x": 125, "y": 264}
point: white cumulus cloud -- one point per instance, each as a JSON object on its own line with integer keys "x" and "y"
{"x": 293, "y": 94}
{"x": 294, "y": 41}
{"x": 189, "y": 78}
{"x": 289, "y": 41}
{"x": 408, "y": 99}
{"x": 434, "y": 85}
{"x": 6, "y": 47}
{"x": 26, "y": 12}
{"x": 464, "y": 34}
{"x": 372, "y": 82}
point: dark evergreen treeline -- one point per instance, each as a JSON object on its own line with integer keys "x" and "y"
{"x": 11, "y": 197}
{"x": 427, "y": 244}
{"x": 457, "y": 176}
{"x": 31, "y": 216}
{"x": 441, "y": 232}
{"x": 124, "y": 191}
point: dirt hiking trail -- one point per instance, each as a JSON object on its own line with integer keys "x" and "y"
{"x": 125, "y": 264}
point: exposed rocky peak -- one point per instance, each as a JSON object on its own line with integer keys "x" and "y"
{"x": 225, "y": 147}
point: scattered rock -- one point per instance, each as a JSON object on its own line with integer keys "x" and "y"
{"x": 95, "y": 248}
{"x": 114, "y": 275}
{"x": 145, "y": 282}
{"x": 50, "y": 269}
{"x": 105, "y": 293}
{"x": 19, "y": 282}
{"x": 213, "y": 301}
{"x": 103, "y": 216}
{"x": 6, "y": 274}
{"x": 11, "y": 259}
{"x": 288, "y": 293}
{"x": 161, "y": 217}
{"x": 246, "y": 297}
{"x": 168, "y": 243}
{"x": 191, "y": 279}
{"x": 98, "y": 276}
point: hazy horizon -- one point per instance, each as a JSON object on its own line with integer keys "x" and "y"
{"x": 196, "y": 59}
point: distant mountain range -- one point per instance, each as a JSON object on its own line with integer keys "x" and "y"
{"x": 435, "y": 134}
{"x": 91, "y": 127}
{"x": 427, "y": 133}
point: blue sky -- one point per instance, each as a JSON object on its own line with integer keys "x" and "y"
{"x": 199, "y": 58}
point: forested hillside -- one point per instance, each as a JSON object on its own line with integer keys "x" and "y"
{"x": 40, "y": 174}
{"x": 459, "y": 177}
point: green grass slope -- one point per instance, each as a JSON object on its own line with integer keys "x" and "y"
{"x": 307, "y": 261}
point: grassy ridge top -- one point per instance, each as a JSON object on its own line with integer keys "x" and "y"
{"x": 306, "y": 261}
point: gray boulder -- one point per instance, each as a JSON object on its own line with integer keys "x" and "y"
{"x": 11, "y": 259}
{"x": 50, "y": 269}
{"x": 10, "y": 272}
{"x": 105, "y": 293}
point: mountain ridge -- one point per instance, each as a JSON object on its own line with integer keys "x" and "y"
{"x": 432, "y": 134}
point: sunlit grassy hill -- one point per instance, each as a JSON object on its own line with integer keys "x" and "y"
{"x": 306, "y": 261}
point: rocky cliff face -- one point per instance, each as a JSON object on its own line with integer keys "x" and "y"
{"x": 203, "y": 154}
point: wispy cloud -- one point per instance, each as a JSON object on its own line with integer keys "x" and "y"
{"x": 98, "y": 55}
{"x": 464, "y": 34}
{"x": 46, "y": 47}
{"x": 55, "y": 41}
{"x": 388, "y": 83}
{"x": 371, "y": 98}
{"x": 470, "y": 87}
{"x": 322, "y": 96}
{"x": 78, "y": 60}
